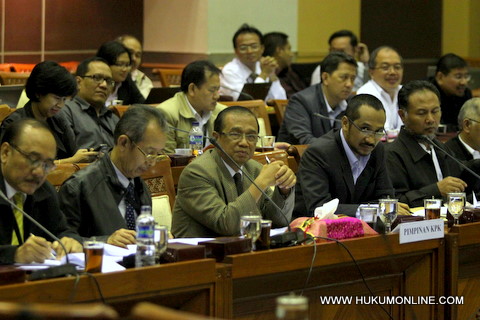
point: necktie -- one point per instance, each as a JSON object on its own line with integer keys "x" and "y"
{"x": 252, "y": 77}
{"x": 130, "y": 210}
{"x": 237, "y": 177}
{"x": 18, "y": 200}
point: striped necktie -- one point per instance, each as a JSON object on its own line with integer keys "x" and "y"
{"x": 18, "y": 200}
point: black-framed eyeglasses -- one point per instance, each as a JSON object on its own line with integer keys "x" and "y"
{"x": 35, "y": 161}
{"x": 98, "y": 78}
{"x": 149, "y": 157}
{"x": 379, "y": 134}
{"x": 473, "y": 120}
{"x": 237, "y": 136}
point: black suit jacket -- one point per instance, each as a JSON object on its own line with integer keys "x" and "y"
{"x": 43, "y": 206}
{"x": 300, "y": 125}
{"x": 129, "y": 93}
{"x": 459, "y": 149}
{"x": 413, "y": 173}
{"x": 325, "y": 174}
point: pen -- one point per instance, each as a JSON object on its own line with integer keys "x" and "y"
{"x": 53, "y": 254}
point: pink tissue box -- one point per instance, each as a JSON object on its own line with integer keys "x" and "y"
{"x": 342, "y": 228}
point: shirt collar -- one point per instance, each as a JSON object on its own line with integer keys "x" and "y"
{"x": 230, "y": 170}
{"x": 124, "y": 181}
{"x": 201, "y": 120}
{"x": 469, "y": 149}
{"x": 352, "y": 158}
{"x": 385, "y": 93}
{"x": 10, "y": 191}
{"x": 342, "y": 106}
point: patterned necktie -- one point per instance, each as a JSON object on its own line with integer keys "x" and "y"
{"x": 130, "y": 210}
{"x": 18, "y": 200}
{"x": 237, "y": 177}
{"x": 251, "y": 78}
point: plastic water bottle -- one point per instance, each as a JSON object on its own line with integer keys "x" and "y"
{"x": 145, "y": 255}
{"x": 196, "y": 139}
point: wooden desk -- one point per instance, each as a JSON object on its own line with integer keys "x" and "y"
{"x": 463, "y": 270}
{"x": 188, "y": 286}
{"x": 257, "y": 279}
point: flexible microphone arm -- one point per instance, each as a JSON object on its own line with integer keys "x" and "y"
{"x": 35, "y": 222}
{"x": 316, "y": 114}
{"x": 430, "y": 141}
{"x": 215, "y": 143}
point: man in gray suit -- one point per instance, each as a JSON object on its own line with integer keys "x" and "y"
{"x": 213, "y": 193}
{"x": 301, "y": 123}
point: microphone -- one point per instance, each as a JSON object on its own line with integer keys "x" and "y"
{"x": 325, "y": 117}
{"x": 52, "y": 272}
{"x": 285, "y": 240}
{"x": 241, "y": 93}
{"x": 430, "y": 141}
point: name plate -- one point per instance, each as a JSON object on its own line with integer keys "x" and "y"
{"x": 420, "y": 230}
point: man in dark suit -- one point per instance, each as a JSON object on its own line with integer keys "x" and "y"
{"x": 104, "y": 199}
{"x": 27, "y": 152}
{"x": 347, "y": 164}
{"x": 418, "y": 168}
{"x": 466, "y": 144}
{"x": 301, "y": 125}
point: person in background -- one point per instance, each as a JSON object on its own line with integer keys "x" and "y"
{"x": 346, "y": 41}
{"x": 48, "y": 88}
{"x": 451, "y": 79}
{"x": 466, "y": 145}
{"x": 119, "y": 59}
{"x": 27, "y": 153}
{"x": 277, "y": 46}
{"x": 144, "y": 84}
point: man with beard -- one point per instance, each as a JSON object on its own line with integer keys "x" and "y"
{"x": 386, "y": 72}
{"x": 348, "y": 164}
{"x": 417, "y": 168}
{"x": 104, "y": 199}
{"x": 311, "y": 113}
{"x": 451, "y": 79}
{"x": 91, "y": 121}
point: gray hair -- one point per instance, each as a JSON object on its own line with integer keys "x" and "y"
{"x": 470, "y": 109}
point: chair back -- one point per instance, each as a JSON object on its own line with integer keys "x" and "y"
{"x": 9, "y": 78}
{"x": 23, "y": 67}
{"x": 159, "y": 180}
{"x": 272, "y": 156}
{"x": 280, "y": 105}
{"x": 169, "y": 77}
{"x": 61, "y": 173}
{"x": 259, "y": 108}
{"x": 119, "y": 110}
{"x": 5, "y": 111}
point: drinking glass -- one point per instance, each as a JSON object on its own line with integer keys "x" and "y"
{"x": 369, "y": 215}
{"x": 456, "y": 202}
{"x": 161, "y": 241}
{"x": 388, "y": 209}
{"x": 93, "y": 250}
{"x": 250, "y": 227}
{"x": 432, "y": 208}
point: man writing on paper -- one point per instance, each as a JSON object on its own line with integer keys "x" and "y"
{"x": 213, "y": 193}
{"x": 27, "y": 152}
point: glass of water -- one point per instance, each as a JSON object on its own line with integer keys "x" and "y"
{"x": 250, "y": 227}
{"x": 161, "y": 241}
{"x": 388, "y": 210}
{"x": 456, "y": 202}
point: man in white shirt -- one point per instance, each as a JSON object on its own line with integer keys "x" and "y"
{"x": 386, "y": 73}
{"x": 346, "y": 41}
{"x": 466, "y": 145}
{"x": 249, "y": 66}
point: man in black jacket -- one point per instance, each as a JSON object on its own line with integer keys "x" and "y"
{"x": 27, "y": 152}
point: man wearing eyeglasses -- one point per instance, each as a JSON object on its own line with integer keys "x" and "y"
{"x": 418, "y": 168}
{"x": 91, "y": 121}
{"x": 451, "y": 80}
{"x": 249, "y": 66}
{"x": 386, "y": 73}
{"x": 348, "y": 164}
{"x": 104, "y": 199}
{"x": 213, "y": 193}
{"x": 466, "y": 145}
{"x": 27, "y": 152}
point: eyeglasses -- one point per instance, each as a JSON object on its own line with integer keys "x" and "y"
{"x": 35, "y": 161}
{"x": 377, "y": 134}
{"x": 148, "y": 156}
{"x": 253, "y": 47}
{"x": 98, "y": 78}
{"x": 122, "y": 64}
{"x": 236, "y": 136}
{"x": 460, "y": 76}
{"x": 473, "y": 120}
{"x": 386, "y": 67}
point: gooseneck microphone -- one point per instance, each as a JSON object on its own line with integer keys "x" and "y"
{"x": 316, "y": 114}
{"x": 57, "y": 271}
{"x": 215, "y": 143}
{"x": 431, "y": 142}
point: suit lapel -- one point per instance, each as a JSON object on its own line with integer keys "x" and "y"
{"x": 345, "y": 165}
{"x": 225, "y": 179}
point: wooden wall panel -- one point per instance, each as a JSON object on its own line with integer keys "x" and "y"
{"x": 23, "y": 25}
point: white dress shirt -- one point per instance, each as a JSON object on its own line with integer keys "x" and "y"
{"x": 235, "y": 74}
